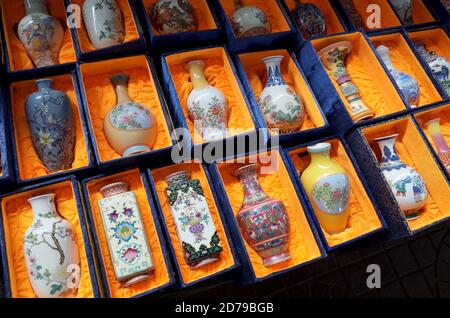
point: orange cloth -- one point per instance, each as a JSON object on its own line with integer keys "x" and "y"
{"x": 276, "y": 17}
{"x": 277, "y": 184}
{"x": 377, "y": 91}
{"x": 405, "y": 61}
{"x": 257, "y": 76}
{"x": 219, "y": 74}
{"x": 101, "y": 97}
{"x": 333, "y": 24}
{"x": 434, "y": 39}
{"x": 387, "y": 13}
{"x": 30, "y": 166}
{"x": 226, "y": 260}
{"x": 363, "y": 218}
{"x": 161, "y": 276}
{"x": 13, "y": 11}
{"x": 18, "y": 216}
{"x": 201, "y": 9}
{"x": 412, "y": 150}
{"x": 420, "y": 12}
{"x": 131, "y": 32}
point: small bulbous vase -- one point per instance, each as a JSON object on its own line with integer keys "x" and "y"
{"x": 249, "y": 21}
{"x": 173, "y": 16}
{"x": 407, "y": 84}
{"x": 406, "y": 183}
{"x": 129, "y": 127}
{"x": 263, "y": 221}
{"x": 281, "y": 107}
{"x": 104, "y": 23}
{"x": 52, "y": 126}
{"x": 41, "y": 34}
{"x": 309, "y": 19}
{"x": 404, "y": 10}
{"x": 434, "y": 128}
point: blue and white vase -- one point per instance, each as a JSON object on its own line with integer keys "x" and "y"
{"x": 406, "y": 183}
{"x": 280, "y": 105}
{"x": 52, "y": 126}
{"x": 309, "y": 19}
{"x": 407, "y": 84}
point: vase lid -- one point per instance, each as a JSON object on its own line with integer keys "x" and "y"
{"x": 114, "y": 189}
{"x": 319, "y": 147}
{"x": 342, "y": 44}
{"x": 384, "y": 138}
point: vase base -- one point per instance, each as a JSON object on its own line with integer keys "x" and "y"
{"x": 275, "y": 259}
{"x": 204, "y": 262}
{"x": 137, "y": 279}
{"x": 134, "y": 150}
{"x": 362, "y": 115}
{"x": 412, "y": 215}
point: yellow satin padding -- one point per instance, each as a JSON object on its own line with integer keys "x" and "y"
{"x": 420, "y": 12}
{"x": 219, "y": 74}
{"x": 131, "y": 32}
{"x": 276, "y": 17}
{"x": 363, "y": 218}
{"x": 202, "y": 11}
{"x": 12, "y": 12}
{"x": 333, "y": 24}
{"x": 412, "y": 150}
{"x": 257, "y": 77}
{"x": 18, "y": 216}
{"x": 435, "y": 40}
{"x": 376, "y": 89}
{"x": 101, "y": 98}
{"x": 276, "y": 182}
{"x": 380, "y": 9}
{"x": 405, "y": 61}
{"x": 226, "y": 259}
{"x": 442, "y": 112}
{"x": 160, "y": 274}
{"x": 30, "y": 166}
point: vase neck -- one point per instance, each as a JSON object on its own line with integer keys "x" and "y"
{"x": 114, "y": 189}
{"x": 120, "y": 82}
{"x": 387, "y": 148}
{"x": 334, "y": 60}
{"x": 320, "y": 154}
{"x": 434, "y": 129}
{"x": 43, "y": 207}
{"x": 274, "y": 77}
{"x": 177, "y": 178}
{"x": 44, "y": 84}
{"x": 384, "y": 54}
{"x": 252, "y": 189}
{"x": 197, "y": 74}
{"x": 35, "y": 6}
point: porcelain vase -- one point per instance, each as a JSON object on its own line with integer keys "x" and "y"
{"x": 207, "y": 106}
{"x": 333, "y": 57}
{"x": 52, "y": 126}
{"x": 406, "y": 184}
{"x": 434, "y": 128}
{"x": 129, "y": 249}
{"x": 280, "y": 105}
{"x": 407, "y": 84}
{"x": 51, "y": 251}
{"x": 263, "y": 221}
{"x": 41, "y": 34}
{"x": 173, "y": 16}
{"x": 404, "y": 10}
{"x": 439, "y": 65}
{"x": 328, "y": 188}
{"x": 249, "y": 21}
{"x": 352, "y": 13}
{"x": 104, "y": 23}
{"x": 193, "y": 221}
{"x": 129, "y": 127}
{"x": 309, "y": 19}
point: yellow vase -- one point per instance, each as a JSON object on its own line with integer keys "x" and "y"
{"x": 328, "y": 188}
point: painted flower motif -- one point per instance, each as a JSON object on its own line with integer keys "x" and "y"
{"x": 113, "y": 216}
{"x": 128, "y": 212}
{"x": 130, "y": 254}
{"x": 45, "y": 139}
{"x": 124, "y": 231}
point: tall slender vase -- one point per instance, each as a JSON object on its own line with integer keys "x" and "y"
{"x": 333, "y": 57}
{"x": 263, "y": 221}
{"x": 52, "y": 126}
{"x": 173, "y": 16}
{"x": 328, "y": 187}
{"x": 207, "y": 106}
{"x": 406, "y": 184}
{"x": 407, "y": 84}
{"x": 404, "y": 10}
{"x": 129, "y": 127}
{"x": 124, "y": 229}
{"x": 41, "y": 34}
{"x": 104, "y": 23}
{"x": 434, "y": 128}
{"x": 51, "y": 251}
{"x": 352, "y": 13}
{"x": 438, "y": 64}
{"x": 249, "y": 21}
{"x": 309, "y": 19}
{"x": 193, "y": 221}
{"x": 281, "y": 107}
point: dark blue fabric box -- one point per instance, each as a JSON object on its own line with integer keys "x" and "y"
{"x": 29, "y": 168}
{"x": 8, "y": 259}
{"x": 7, "y": 172}
{"x": 362, "y": 197}
{"x": 306, "y": 247}
{"x": 85, "y": 50}
{"x": 224, "y": 269}
{"x": 91, "y": 193}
